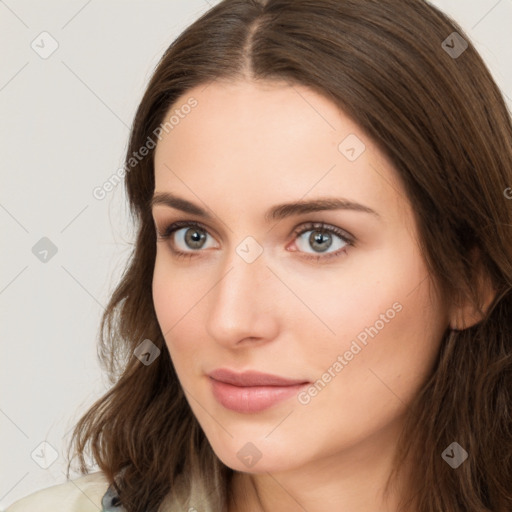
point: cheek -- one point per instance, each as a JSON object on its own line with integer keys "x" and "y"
{"x": 163, "y": 296}
{"x": 392, "y": 365}
{"x": 176, "y": 306}
{"x": 388, "y": 324}
{"x": 167, "y": 304}
{"x": 174, "y": 292}
{"x": 361, "y": 386}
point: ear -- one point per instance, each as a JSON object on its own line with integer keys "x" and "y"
{"x": 464, "y": 314}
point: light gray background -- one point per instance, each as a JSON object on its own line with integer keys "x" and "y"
{"x": 64, "y": 126}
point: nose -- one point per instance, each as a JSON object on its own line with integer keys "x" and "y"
{"x": 243, "y": 306}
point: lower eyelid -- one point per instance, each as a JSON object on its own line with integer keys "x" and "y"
{"x": 171, "y": 229}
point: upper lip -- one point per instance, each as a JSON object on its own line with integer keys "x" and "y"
{"x": 252, "y": 378}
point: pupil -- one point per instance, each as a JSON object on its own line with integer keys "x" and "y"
{"x": 320, "y": 237}
{"x": 195, "y": 237}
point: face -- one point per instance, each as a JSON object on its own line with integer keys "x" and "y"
{"x": 334, "y": 296}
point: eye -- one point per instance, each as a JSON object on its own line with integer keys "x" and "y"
{"x": 192, "y": 236}
{"x": 322, "y": 237}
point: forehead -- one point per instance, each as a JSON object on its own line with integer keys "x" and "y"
{"x": 247, "y": 115}
{"x": 271, "y": 141}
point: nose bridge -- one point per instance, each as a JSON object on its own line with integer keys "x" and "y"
{"x": 240, "y": 302}
{"x": 244, "y": 269}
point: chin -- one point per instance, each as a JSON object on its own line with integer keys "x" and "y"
{"x": 256, "y": 456}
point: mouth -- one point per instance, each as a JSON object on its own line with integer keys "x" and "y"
{"x": 251, "y": 392}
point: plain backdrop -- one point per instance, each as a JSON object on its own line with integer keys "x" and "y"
{"x": 64, "y": 126}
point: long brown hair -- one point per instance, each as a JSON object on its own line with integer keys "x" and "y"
{"x": 442, "y": 121}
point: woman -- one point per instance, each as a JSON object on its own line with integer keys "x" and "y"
{"x": 316, "y": 315}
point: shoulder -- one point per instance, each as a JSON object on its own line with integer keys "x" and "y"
{"x": 83, "y": 494}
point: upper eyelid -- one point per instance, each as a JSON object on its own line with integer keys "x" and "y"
{"x": 184, "y": 224}
{"x": 309, "y": 226}
{"x": 297, "y": 231}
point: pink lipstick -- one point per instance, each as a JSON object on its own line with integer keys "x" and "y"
{"x": 251, "y": 391}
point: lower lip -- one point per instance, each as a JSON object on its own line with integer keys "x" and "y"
{"x": 251, "y": 399}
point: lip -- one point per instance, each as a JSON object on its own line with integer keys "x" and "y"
{"x": 252, "y": 378}
{"x": 251, "y": 391}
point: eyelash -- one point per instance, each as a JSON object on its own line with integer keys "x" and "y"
{"x": 349, "y": 240}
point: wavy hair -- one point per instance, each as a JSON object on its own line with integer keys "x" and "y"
{"x": 441, "y": 120}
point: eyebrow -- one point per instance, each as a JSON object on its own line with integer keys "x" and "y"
{"x": 274, "y": 213}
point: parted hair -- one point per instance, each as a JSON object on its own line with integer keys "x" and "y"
{"x": 442, "y": 121}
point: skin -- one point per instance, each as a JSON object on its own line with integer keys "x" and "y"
{"x": 243, "y": 149}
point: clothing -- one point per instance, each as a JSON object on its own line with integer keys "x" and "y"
{"x": 110, "y": 501}
{"x": 92, "y": 493}
{"x": 83, "y": 494}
